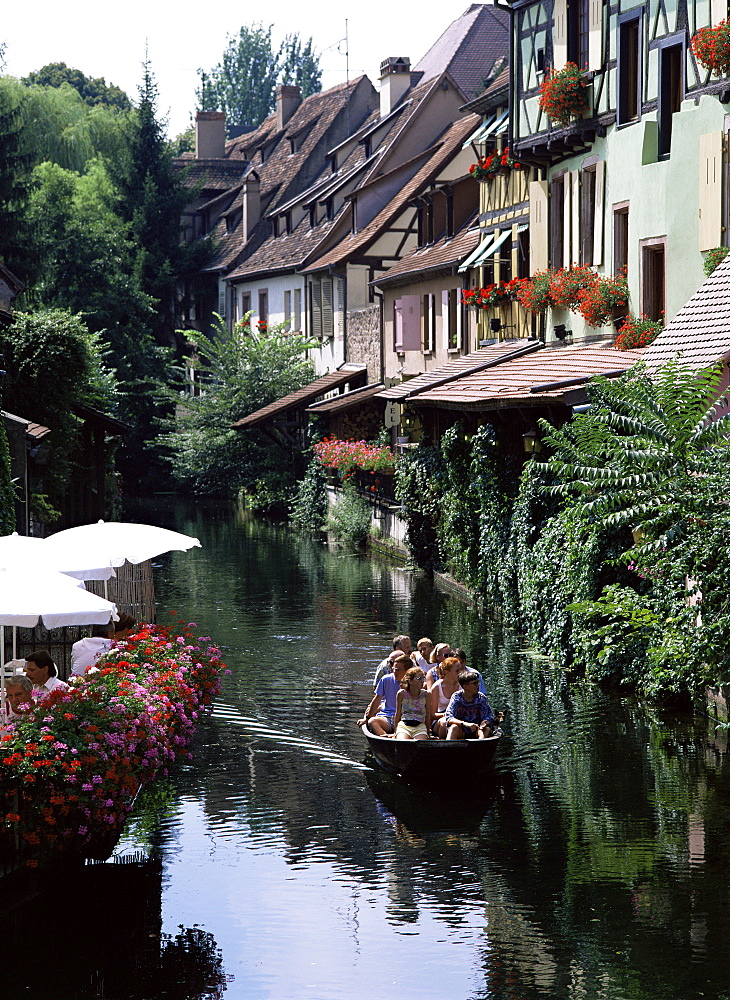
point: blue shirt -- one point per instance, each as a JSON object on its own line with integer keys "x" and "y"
{"x": 388, "y": 687}
{"x": 477, "y": 710}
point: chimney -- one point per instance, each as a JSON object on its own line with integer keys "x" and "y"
{"x": 395, "y": 81}
{"x": 288, "y": 99}
{"x": 251, "y": 200}
{"x": 210, "y": 135}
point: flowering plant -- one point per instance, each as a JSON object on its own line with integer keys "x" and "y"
{"x": 534, "y": 293}
{"x": 713, "y": 258}
{"x": 598, "y": 298}
{"x": 567, "y": 282}
{"x": 636, "y": 333}
{"x": 488, "y": 168}
{"x": 491, "y": 296}
{"x": 711, "y": 47}
{"x": 563, "y": 94}
{"x": 75, "y": 762}
{"x": 346, "y": 456}
{"x": 592, "y": 295}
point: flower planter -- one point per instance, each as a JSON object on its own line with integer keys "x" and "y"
{"x": 563, "y": 95}
{"x": 711, "y": 47}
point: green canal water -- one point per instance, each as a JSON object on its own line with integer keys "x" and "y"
{"x": 593, "y": 864}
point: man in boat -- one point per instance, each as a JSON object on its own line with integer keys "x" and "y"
{"x": 381, "y": 710}
{"x": 402, "y": 644}
{"x": 469, "y": 715}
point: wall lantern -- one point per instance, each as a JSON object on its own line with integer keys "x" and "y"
{"x": 495, "y": 325}
{"x": 531, "y": 443}
{"x": 561, "y": 333}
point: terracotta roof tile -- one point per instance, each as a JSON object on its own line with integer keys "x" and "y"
{"x": 700, "y": 332}
{"x": 442, "y": 254}
{"x": 547, "y": 375}
{"x": 282, "y": 253}
{"x": 304, "y": 396}
{"x": 346, "y": 400}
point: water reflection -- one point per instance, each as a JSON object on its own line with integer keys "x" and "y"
{"x": 592, "y": 864}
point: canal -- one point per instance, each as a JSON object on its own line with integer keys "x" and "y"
{"x": 283, "y": 867}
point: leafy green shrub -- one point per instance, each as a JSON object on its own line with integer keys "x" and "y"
{"x": 309, "y": 509}
{"x": 419, "y": 476}
{"x": 713, "y": 258}
{"x": 349, "y": 518}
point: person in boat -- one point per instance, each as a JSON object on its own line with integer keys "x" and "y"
{"x": 380, "y": 712}
{"x": 43, "y": 673}
{"x": 401, "y": 644}
{"x": 424, "y": 648}
{"x": 461, "y": 656}
{"x": 441, "y": 693}
{"x": 18, "y": 697}
{"x": 86, "y": 652}
{"x": 413, "y": 710}
{"x": 439, "y": 653}
{"x": 469, "y": 715}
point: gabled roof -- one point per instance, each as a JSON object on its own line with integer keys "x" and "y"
{"x": 442, "y": 255}
{"x": 440, "y": 154}
{"x": 283, "y": 253}
{"x": 304, "y": 396}
{"x": 550, "y": 375}
{"x": 476, "y": 361}
{"x": 700, "y": 332}
{"x": 468, "y": 48}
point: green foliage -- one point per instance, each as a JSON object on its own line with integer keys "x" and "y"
{"x": 713, "y": 258}
{"x": 15, "y": 166}
{"x": 309, "y": 509}
{"x": 7, "y": 491}
{"x": 418, "y": 476}
{"x": 92, "y": 91}
{"x": 349, "y": 518}
{"x": 243, "y": 84}
{"x": 239, "y": 373}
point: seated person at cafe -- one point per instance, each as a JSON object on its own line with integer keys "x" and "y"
{"x": 124, "y": 626}
{"x": 18, "y": 696}
{"x": 468, "y": 715}
{"x": 381, "y": 710}
{"x": 42, "y": 671}
{"x": 86, "y": 652}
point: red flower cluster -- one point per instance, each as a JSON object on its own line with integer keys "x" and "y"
{"x": 75, "y": 762}
{"x": 637, "y": 333}
{"x": 563, "y": 94}
{"x": 345, "y": 456}
{"x": 488, "y": 168}
{"x": 711, "y": 47}
{"x": 491, "y": 296}
{"x": 578, "y": 288}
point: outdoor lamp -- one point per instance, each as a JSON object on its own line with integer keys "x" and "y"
{"x": 560, "y": 331}
{"x": 495, "y": 325}
{"x": 531, "y": 443}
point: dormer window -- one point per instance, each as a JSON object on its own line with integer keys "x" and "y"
{"x": 262, "y": 154}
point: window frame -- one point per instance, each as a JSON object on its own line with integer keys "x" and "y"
{"x": 668, "y": 47}
{"x": 626, "y": 21}
{"x": 651, "y": 306}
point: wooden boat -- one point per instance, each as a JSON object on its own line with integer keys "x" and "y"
{"x": 433, "y": 759}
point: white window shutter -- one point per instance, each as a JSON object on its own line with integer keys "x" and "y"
{"x": 328, "y": 322}
{"x": 445, "y": 318}
{"x": 538, "y": 225}
{"x": 718, "y": 11}
{"x": 560, "y": 33}
{"x": 710, "y": 191}
{"x": 595, "y": 34}
{"x": 598, "y": 214}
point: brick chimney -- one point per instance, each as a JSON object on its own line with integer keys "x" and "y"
{"x": 395, "y": 80}
{"x": 288, "y": 99}
{"x": 210, "y": 135}
{"x": 251, "y": 201}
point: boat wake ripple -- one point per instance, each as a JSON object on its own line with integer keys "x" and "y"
{"x": 261, "y": 730}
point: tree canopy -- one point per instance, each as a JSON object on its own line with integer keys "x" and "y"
{"x": 243, "y": 84}
{"x": 93, "y": 91}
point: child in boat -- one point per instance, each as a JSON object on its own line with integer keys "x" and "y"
{"x": 413, "y": 710}
{"x": 440, "y": 694}
{"x": 469, "y": 715}
{"x": 424, "y": 648}
{"x": 437, "y": 657}
{"x": 461, "y": 656}
{"x": 381, "y": 711}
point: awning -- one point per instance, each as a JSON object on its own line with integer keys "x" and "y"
{"x": 479, "y": 133}
{"x": 346, "y": 400}
{"x": 497, "y": 127}
{"x": 487, "y": 248}
{"x": 302, "y": 398}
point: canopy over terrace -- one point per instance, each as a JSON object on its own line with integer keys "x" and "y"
{"x": 285, "y": 420}
{"x": 516, "y": 393}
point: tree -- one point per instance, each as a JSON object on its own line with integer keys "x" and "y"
{"x": 16, "y": 249}
{"x": 244, "y": 83}
{"x": 240, "y": 373}
{"x": 93, "y": 91}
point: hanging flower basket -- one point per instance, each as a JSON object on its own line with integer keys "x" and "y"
{"x": 493, "y": 164}
{"x": 563, "y": 94}
{"x": 711, "y": 47}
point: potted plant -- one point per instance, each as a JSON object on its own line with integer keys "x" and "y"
{"x": 563, "y": 94}
{"x": 711, "y": 47}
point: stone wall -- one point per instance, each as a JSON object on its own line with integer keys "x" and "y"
{"x": 363, "y": 339}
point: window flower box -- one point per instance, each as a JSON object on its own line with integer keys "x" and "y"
{"x": 563, "y": 94}
{"x": 711, "y": 47}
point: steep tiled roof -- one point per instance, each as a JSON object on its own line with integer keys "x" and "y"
{"x": 439, "y": 156}
{"x": 212, "y": 175}
{"x": 468, "y": 48}
{"x": 548, "y": 375}
{"x": 282, "y": 253}
{"x": 458, "y": 367}
{"x": 441, "y": 255}
{"x": 345, "y": 400}
{"x": 304, "y": 396}
{"x": 700, "y": 331}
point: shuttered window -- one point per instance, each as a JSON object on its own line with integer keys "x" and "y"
{"x": 315, "y": 294}
{"x": 328, "y": 309}
{"x": 557, "y": 222}
{"x": 538, "y": 233}
{"x": 428, "y": 322}
{"x": 710, "y": 191}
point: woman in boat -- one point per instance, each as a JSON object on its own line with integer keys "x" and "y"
{"x": 413, "y": 710}
{"x": 441, "y": 692}
{"x": 437, "y": 657}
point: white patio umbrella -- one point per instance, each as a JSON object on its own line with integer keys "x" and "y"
{"x": 26, "y": 551}
{"x": 27, "y": 596}
{"x": 112, "y": 543}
